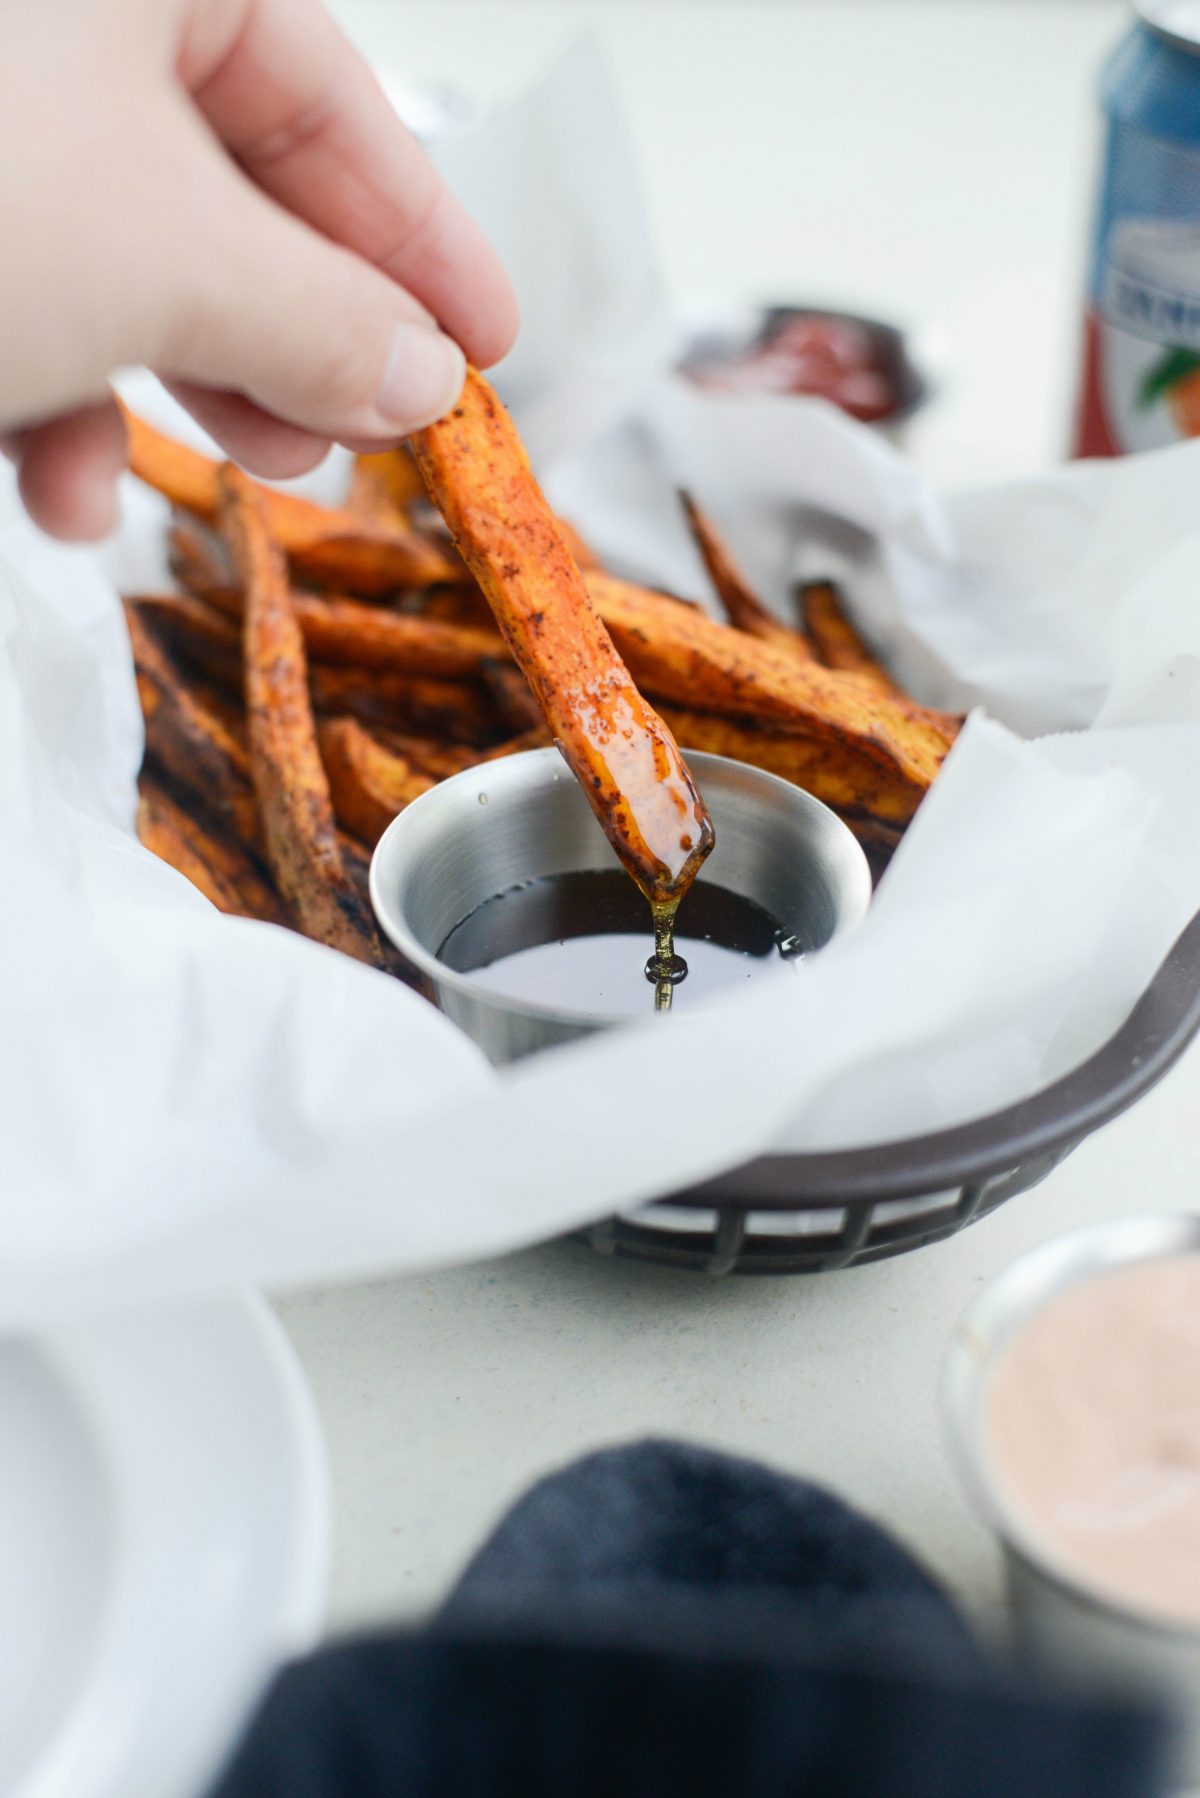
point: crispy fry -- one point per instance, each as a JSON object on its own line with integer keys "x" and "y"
{"x": 203, "y": 642}
{"x": 223, "y": 870}
{"x": 388, "y": 483}
{"x": 625, "y": 759}
{"x": 285, "y": 762}
{"x": 853, "y": 784}
{"x": 442, "y": 760}
{"x": 582, "y": 553}
{"x": 330, "y": 545}
{"x": 453, "y": 605}
{"x": 187, "y": 742}
{"x": 461, "y": 711}
{"x": 348, "y": 633}
{"x": 690, "y": 659}
{"x": 368, "y": 783}
{"x": 744, "y": 608}
{"x": 513, "y": 696}
{"x": 342, "y": 630}
{"x": 200, "y": 562}
{"x": 207, "y": 643}
{"x": 836, "y": 640}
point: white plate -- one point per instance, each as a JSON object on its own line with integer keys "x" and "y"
{"x": 163, "y": 1545}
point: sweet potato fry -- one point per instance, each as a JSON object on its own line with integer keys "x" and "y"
{"x": 342, "y": 630}
{"x": 690, "y": 659}
{"x": 351, "y": 634}
{"x": 513, "y": 696}
{"x": 188, "y": 742}
{"x": 200, "y": 562}
{"x": 855, "y": 785}
{"x": 744, "y": 608}
{"x": 582, "y": 553}
{"x": 386, "y": 483}
{"x": 285, "y": 762}
{"x": 441, "y": 760}
{"x": 458, "y": 710}
{"x": 368, "y": 783}
{"x": 330, "y": 545}
{"x": 837, "y": 642}
{"x": 223, "y": 869}
{"x": 202, "y": 641}
{"x": 207, "y": 643}
{"x": 625, "y": 759}
{"x": 453, "y": 605}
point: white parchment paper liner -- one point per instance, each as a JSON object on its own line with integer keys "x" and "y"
{"x": 188, "y": 1100}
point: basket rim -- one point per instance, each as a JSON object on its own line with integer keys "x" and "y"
{"x": 1049, "y": 1122}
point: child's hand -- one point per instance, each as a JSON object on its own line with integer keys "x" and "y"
{"x": 218, "y": 189}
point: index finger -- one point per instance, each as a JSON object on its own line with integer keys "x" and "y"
{"x": 304, "y": 116}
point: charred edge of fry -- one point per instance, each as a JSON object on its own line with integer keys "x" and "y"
{"x": 746, "y": 611}
{"x": 692, "y": 660}
{"x": 459, "y": 711}
{"x": 285, "y": 761}
{"x": 515, "y": 699}
{"x": 837, "y": 641}
{"x": 189, "y": 742}
{"x": 369, "y": 784}
{"x": 451, "y": 605}
{"x": 839, "y": 775}
{"x": 198, "y": 639}
{"x": 221, "y": 867}
{"x": 357, "y": 861}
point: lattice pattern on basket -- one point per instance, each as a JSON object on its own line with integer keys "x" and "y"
{"x": 816, "y": 1213}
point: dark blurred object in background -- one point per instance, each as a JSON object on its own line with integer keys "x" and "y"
{"x": 859, "y": 364}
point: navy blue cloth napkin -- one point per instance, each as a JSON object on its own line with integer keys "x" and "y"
{"x": 664, "y": 1620}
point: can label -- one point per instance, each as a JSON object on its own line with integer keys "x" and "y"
{"x": 1141, "y": 377}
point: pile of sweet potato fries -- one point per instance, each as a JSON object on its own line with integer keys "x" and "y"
{"x": 320, "y": 667}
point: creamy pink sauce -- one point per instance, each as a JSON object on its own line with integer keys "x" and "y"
{"x": 1093, "y": 1434}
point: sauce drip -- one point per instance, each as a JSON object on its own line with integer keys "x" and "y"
{"x": 565, "y": 942}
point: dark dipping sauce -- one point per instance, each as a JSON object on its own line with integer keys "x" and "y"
{"x": 574, "y": 942}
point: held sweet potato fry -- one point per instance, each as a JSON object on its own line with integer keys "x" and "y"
{"x": 625, "y": 759}
{"x": 369, "y": 784}
{"x": 285, "y": 762}
{"x": 835, "y": 639}
{"x": 683, "y": 656}
{"x": 327, "y": 544}
{"x": 745, "y": 609}
{"x": 222, "y": 868}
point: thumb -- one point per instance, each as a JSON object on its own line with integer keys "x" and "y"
{"x": 263, "y": 304}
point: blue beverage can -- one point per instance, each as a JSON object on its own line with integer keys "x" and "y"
{"x": 1140, "y": 381}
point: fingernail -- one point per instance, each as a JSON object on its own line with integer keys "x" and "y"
{"x": 423, "y": 378}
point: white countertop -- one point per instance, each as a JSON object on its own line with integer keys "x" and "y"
{"x": 932, "y": 163}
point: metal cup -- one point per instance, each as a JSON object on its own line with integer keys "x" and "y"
{"x": 524, "y": 818}
{"x": 1056, "y": 1614}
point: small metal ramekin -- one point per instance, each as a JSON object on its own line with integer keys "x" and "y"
{"x": 524, "y": 818}
{"x": 1057, "y": 1616}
